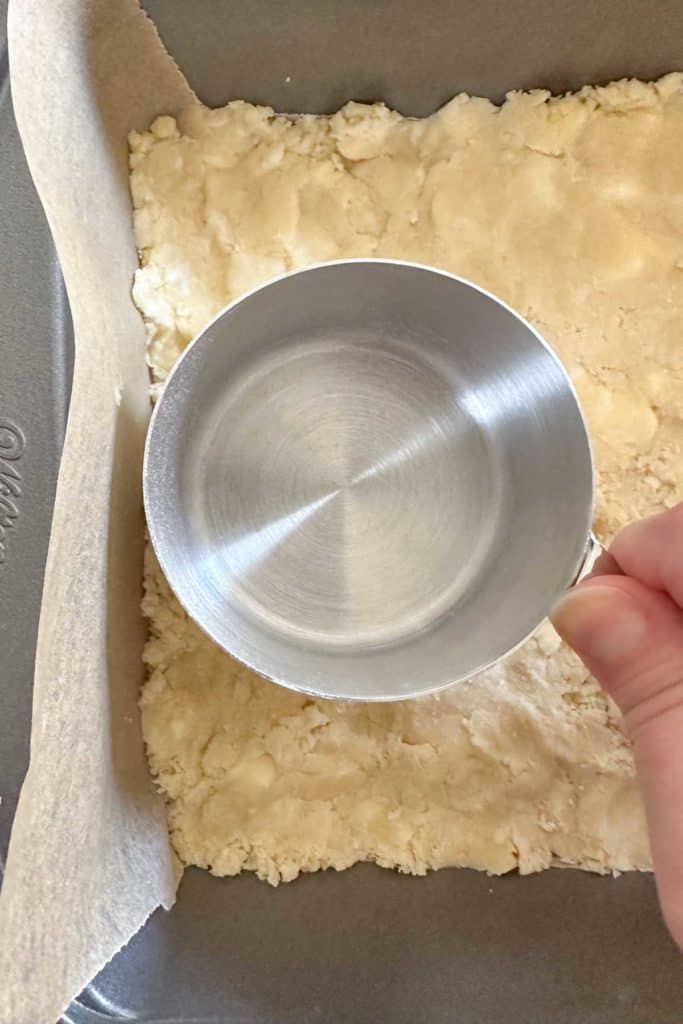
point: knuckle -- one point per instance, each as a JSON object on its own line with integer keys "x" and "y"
{"x": 647, "y": 698}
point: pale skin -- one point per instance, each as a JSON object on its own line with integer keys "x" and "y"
{"x": 626, "y": 623}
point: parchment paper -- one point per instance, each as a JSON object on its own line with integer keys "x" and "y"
{"x": 89, "y": 857}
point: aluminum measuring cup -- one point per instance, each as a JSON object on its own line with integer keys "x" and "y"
{"x": 369, "y": 479}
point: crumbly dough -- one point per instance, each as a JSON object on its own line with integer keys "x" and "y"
{"x": 571, "y": 210}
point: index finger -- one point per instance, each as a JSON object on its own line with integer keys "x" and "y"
{"x": 651, "y": 550}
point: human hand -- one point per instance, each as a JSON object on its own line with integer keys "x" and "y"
{"x": 628, "y": 631}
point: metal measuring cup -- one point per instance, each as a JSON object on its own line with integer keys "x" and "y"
{"x": 369, "y": 479}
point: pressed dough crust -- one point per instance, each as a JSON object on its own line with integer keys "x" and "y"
{"x": 569, "y": 209}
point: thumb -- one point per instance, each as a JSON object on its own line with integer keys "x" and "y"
{"x": 631, "y": 638}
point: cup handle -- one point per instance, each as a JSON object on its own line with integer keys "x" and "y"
{"x": 597, "y": 561}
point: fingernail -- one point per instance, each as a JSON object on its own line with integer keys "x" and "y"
{"x": 601, "y": 623}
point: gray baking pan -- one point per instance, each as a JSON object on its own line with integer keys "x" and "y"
{"x": 35, "y": 376}
{"x": 366, "y": 946}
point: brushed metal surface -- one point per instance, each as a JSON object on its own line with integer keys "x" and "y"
{"x": 368, "y": 479}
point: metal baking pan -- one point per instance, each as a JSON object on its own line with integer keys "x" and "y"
{"x": 365, "y": 945}
{"x": 36, "y": 351}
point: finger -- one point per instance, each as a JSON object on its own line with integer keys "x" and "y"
{"x": 651, "y": 550}
{"x": 605, "y": 565}
{"x": 631, "y": 639}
